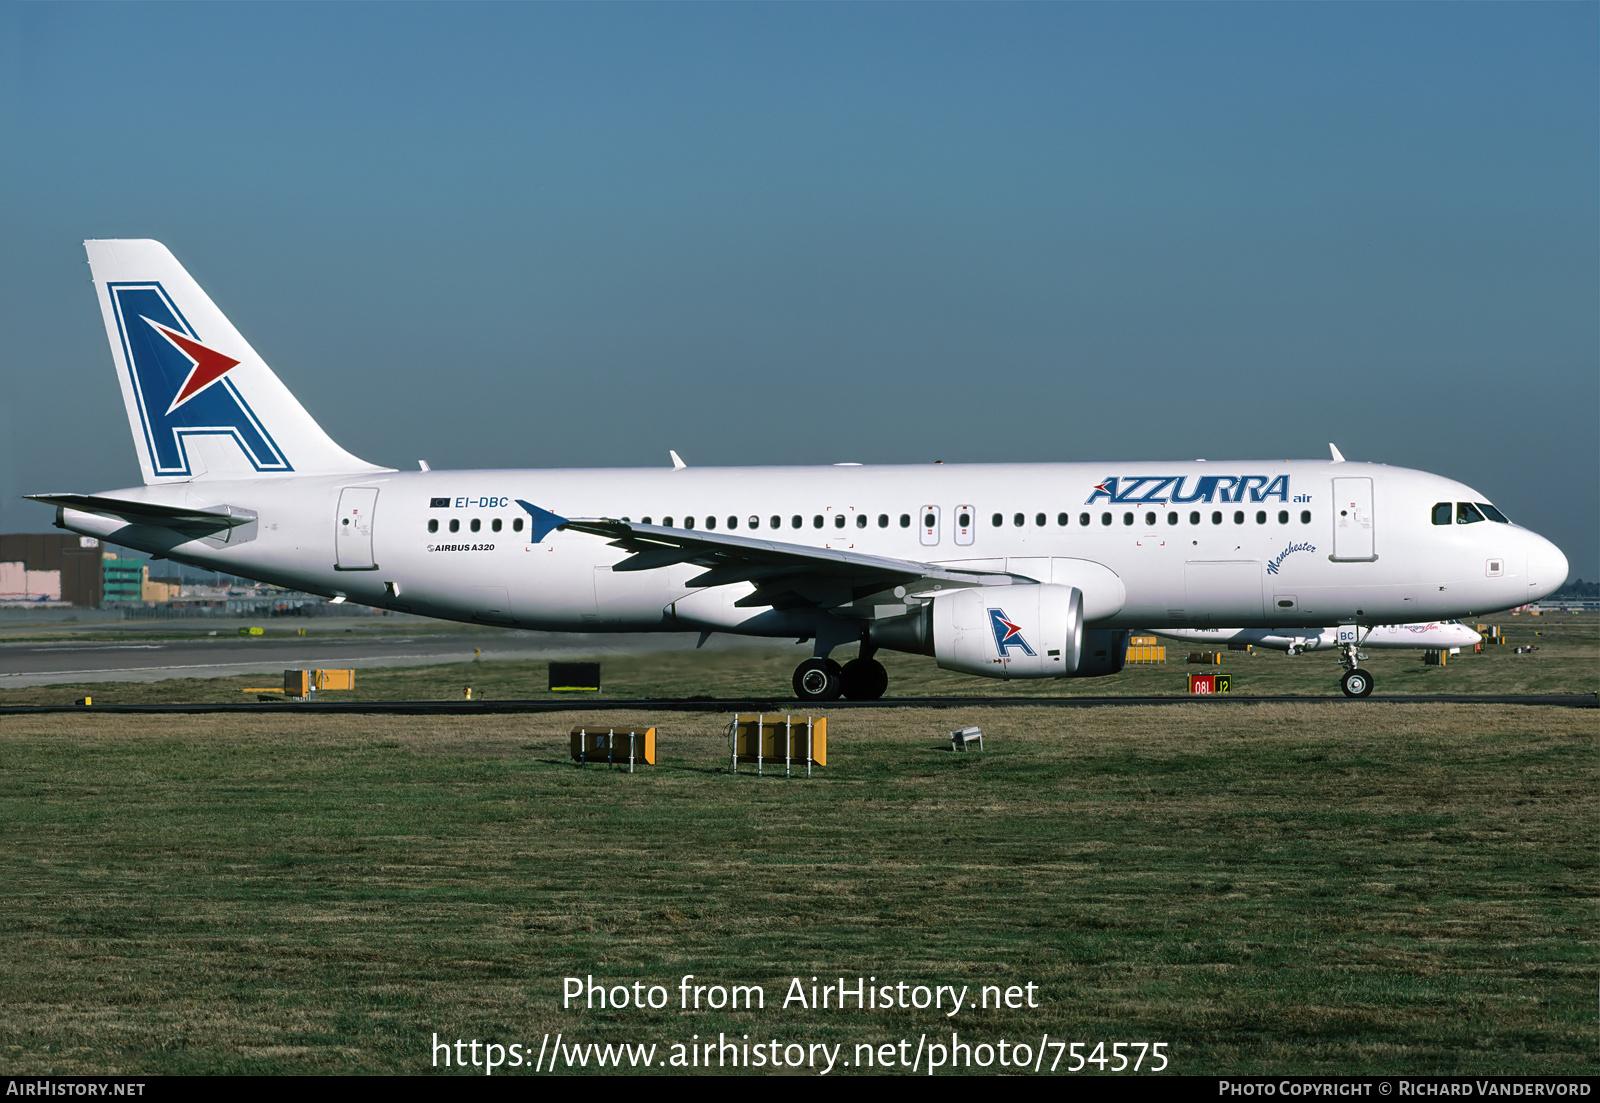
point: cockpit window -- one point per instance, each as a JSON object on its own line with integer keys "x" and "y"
{"x": 1493, "y": 514}
{"x": 1442, "y": 512}
{"x": 1467, "y": 513}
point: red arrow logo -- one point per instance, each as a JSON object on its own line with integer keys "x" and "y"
{"x": 209, "y": 364}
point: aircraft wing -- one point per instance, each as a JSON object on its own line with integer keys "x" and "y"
{"x": 785, "y": 575}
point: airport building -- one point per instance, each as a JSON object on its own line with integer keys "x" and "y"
{"x": 52, "y": 568}
{"x": 60, "y": 570}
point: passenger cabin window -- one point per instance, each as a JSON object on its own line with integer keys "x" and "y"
{"x": 795, "y": 521}
{"x": 905, "y": 520}
{"x": 838, "y": 521}
{"x": 1127, "y": 518}
{"x": 861, "y": 520}
{"x": 476, "y": 524}
{"x": 666, "y": 522}
{"x": 1149, "y": 519}
{"x": 777, "y": 522}
{"x": 433, "y": 524}
{"x": 816, "y": 521}
{"x": 1062, "y": 518}
{"x": 1442, "y": 512}
{"x": 883, "y": 520}
{"x": 1305, "y": 516}
{"x": 1083, "y": 518}
{"x": 688, "y": 522}
{"x": 1194, "y": 517}
{"x": 1172, "y": 518}
{"x": 711, "y": 522}
{"x": 1238, "y": 516}
{"x": 1018, "y": 520}
{"x": 1261, "y": 516}
{"x": 1105, "y": 518}
{"x": 1283, "y": 517}
{"x": 1039, "y": 519}
{"x": 455, "y": 526}
{"x": 516, "y": 526}
{"x": 495, "y": 524}
{"x": 997, "y": 520}
{"x": 1467, "y": 514}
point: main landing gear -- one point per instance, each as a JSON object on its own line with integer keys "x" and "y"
{"x": 1356, "y": 682}
{"x": 822, "y": 679}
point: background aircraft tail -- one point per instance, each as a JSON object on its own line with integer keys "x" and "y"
{"x": 201, "y": 403}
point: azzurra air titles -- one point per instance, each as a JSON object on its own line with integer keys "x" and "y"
{"x": 1186, "y": 489}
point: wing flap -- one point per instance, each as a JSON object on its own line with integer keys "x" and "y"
{"x": 787, "y": 575}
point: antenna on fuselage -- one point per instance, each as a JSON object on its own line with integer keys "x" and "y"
{"x": 1337, "y": 457}
{"x": 677, "y": 460}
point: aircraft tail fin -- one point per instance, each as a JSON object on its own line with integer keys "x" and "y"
{"x": 201, "y": 403}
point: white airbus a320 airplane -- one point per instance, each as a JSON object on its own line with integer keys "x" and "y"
{"x": 999, "y": 570}
{"x": 1433, "y": 635}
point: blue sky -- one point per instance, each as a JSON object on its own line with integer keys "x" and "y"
{"x": 575, "y": 235}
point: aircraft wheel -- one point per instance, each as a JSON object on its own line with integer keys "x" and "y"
{"x": 864, "y": 679}
{"x": 818, "y": 680}
{"x": 1356, "y": 683}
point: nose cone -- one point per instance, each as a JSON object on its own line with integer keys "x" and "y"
{"x": 1547, "y": 568}
{"x": 1460, "y": 635}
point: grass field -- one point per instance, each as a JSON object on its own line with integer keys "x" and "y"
{"x": 1271, "y": 888}
{"x": 1568, "y": 661}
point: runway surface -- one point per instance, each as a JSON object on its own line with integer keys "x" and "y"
{"x": 793, "y": 707}
{"x": 228, "y": 654}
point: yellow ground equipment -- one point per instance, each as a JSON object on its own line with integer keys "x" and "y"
{"x": 787, "y": 739}
{"x": 612, "y": 746}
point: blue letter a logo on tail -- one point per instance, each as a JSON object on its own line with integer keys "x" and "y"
{"x": 181, "y": 385}
{"x": 1007, "y": 634}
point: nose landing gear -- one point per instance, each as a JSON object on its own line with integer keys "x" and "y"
{"x": 1356, "y": 682}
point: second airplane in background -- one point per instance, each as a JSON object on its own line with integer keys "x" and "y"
{"x": 1347, "y": 640}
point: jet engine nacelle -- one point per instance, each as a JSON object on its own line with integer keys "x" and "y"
{"x": 1105, "y": 651}
{"x": 1031, "y": 631}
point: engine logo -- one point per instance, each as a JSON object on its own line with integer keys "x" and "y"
{"x": 1007, "y": 634}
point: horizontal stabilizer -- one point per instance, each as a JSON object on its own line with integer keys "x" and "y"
{"x": 149, "y": 513}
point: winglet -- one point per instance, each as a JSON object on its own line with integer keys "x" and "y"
{"x": 1337, "y": 457}
{"x": 544, "y": 522}
{"x": 677, "y": 460}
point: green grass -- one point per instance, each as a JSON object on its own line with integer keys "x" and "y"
{"x": 1269, "y": 889}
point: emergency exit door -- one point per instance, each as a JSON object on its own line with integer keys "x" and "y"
{"x": 352, "y": 537}
{"x": 1353, "y": 537}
